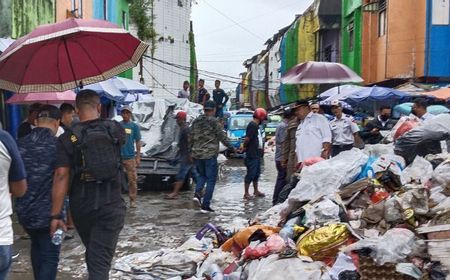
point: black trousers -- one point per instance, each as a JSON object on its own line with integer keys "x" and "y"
{"x": 337, "y": 149}
{"x": 99, "y": 231}
{"x": 281, "y": 181}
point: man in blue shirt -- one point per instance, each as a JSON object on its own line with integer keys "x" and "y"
{"x": 38, "y": 150}
{"x": 131, "y": 159}
{"x": 12, "y": 180}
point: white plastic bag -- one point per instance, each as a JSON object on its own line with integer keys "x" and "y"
{"x": 324, "y": 211}
{"x": 419, "y": 171}
{"x": 326, "y": 177}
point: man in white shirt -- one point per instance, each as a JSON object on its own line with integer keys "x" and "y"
{"x": 12, "y": 180}
{"x": 344, "y": 130}
{"x": 419, "y": 109}
{"x": 313, "y": 136}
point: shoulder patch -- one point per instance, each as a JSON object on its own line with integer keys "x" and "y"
{"x": 73, "y": 138}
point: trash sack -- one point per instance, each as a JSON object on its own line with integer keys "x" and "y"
{"x": 194, "y": 244}
{"x": 342, "y": 263}
{"x": 271, "y": 217}
{"x": 240, "y": 240}
{"x": 326, "y": 177}
{"x": 441, "y": 176}
{"x": 420, "y": 171}
{"x": 161, "y": 264}
{"x": 378, "y": 149}
{"x": 403, "y": 125}
{"x": 321, "y": 212}
{"x": 415, "y": 199}
{"x": 392, "y": 247}
{"x": 424, "y": 139}
{"x": 274, "y": 268}
{"x": 374, "y": 213}
{"x": 256, "y": 250}
{"x": 323, "y": 242}
{"x": 392, "y": 210}
{"x": 390, "y": 162}
{"x": 275, "y": 243}
{"x": 219, "y": 257}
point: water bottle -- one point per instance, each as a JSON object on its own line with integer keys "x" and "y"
{"x": 58, "y": 237}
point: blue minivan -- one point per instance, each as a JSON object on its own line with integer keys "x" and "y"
{"x": 236, "y": 127}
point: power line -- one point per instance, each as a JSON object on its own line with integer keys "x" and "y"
{"x": 235, "y": 22}
{"x": 153, "y": 77}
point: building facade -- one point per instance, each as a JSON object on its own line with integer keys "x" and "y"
{"x": 351, "y": 34}
{"x": 170, "y": 64}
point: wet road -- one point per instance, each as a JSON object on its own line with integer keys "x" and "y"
{"x": 160, "y": 223}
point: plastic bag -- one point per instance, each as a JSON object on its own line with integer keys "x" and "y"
{"x": 312, "y": 161}
{"x": 392, "y": 210}
{"x": 393, "y": 247}
{"x": 343, "y": 263}
{"x": 419, "y": 171}
{"x": 441, "y": 175}
{"x": 240, "y": 240}
{"x": 326, "y": 177}
{"x": 256, "y": 250}
{"x": 275, "y": 243}
{"x": 415, "y": 199}
{"x": 273, "y": 268}
{"x": 319, "y": 213}
{"x": 404, "y": 127}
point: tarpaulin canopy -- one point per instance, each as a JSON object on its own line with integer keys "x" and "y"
{"x": 118, "y": 89}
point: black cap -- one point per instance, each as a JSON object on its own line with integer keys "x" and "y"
{"x": 35, "y": 107}
{"x": 299, "y": 103}
{"x": 209, "y": 105}
{"x": 49, "y": 112}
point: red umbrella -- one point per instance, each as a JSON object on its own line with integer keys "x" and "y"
{"x": 43, "y": 97}
{"x": 313, "y": 72}
{"x": 65, "y": 55}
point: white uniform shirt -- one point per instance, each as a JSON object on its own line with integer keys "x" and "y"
{"x": 6, "y": 232}
{"x": 343, "y": 130}
{"x": 311, "y": 133}
{"x": 427, "y": 116}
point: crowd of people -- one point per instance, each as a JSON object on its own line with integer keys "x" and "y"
{"x": 70, "y": 173}
{"x": 305, "y": 134}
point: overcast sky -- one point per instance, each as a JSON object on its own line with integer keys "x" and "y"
{"x": 229, "y": 31}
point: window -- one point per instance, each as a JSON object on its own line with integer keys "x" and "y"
{"x": 124, "y": 20}
{"x": 440, "y": 12}
{"x": 72, "y": 5}
{"x": 351, "y": 35}
{"x": 180, "y": 3}
{"x": 327, "y": 54}
{"x": 80, "y": 9}
{"x": 382, "y": 23}
{"x": 105, "y": 9}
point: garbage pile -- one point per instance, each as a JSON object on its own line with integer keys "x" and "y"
{"x": 364, "y": 214}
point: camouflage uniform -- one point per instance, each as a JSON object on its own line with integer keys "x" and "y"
{"x": 288, "y": 148}
{"x": 206, "y": 133}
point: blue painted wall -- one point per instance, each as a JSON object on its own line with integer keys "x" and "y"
{"x": 437, "y": 52}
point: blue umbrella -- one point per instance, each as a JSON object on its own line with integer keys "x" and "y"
{"x": 117, "y": 89}
{"x": 339, "y": 91}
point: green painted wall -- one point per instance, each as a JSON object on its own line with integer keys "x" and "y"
{"x": 121, "y": 8}
{"x": 5, "y": 18}
{"x": 193, "y": 73}
{"x": 291, "y": 91}
{"x": 352, "y": 13}
{"x": 27, "y": 14}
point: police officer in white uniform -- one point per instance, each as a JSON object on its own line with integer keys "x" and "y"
{"x": 344, "y": 130}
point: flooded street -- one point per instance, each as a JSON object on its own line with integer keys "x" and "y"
{"x": 160, "y": 223}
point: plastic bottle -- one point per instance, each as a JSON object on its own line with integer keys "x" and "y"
{"x": 215, "y": 272}
{"x": 58, "y": 237}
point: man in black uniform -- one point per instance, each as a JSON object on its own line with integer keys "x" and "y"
{"x": 90, "y": 152}
{"x": 371, "y": 132}
{"x": 26, "y": 127}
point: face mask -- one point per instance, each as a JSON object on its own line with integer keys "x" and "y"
{"x": 384, "y": 117}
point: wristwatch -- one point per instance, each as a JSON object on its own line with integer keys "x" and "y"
{"x": 56, "y": 217}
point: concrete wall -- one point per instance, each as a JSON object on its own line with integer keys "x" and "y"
{"x": 400, "y": 52}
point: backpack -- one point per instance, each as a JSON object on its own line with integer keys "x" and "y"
{"x": 97, "y": 151}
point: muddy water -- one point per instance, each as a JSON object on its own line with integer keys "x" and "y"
{"x": 161, "y": 223}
